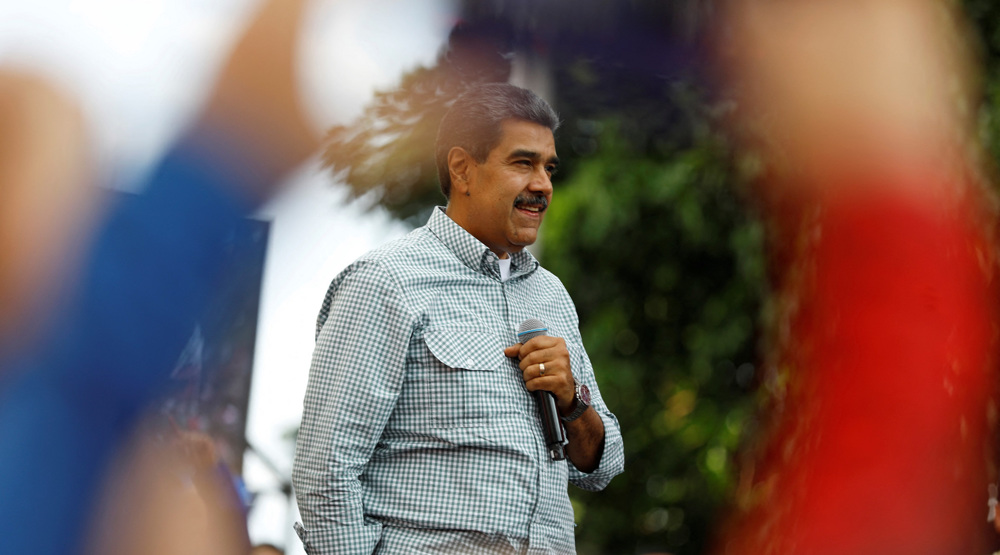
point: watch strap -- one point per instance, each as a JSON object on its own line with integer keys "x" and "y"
{"x": 579, "y": 407}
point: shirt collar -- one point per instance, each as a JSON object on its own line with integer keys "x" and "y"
{"x": 472, "y": 252}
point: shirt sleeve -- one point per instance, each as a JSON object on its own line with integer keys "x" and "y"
{"x": 613, "y": 457}
{"x": 357, "y": 370}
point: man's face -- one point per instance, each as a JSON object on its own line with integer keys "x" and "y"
{"x": 510, "y": 191}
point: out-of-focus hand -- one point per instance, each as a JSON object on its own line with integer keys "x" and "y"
{"x": 256, "y": 99}
{"x": 824, "y": 86}
{"x": 47, "y": 199}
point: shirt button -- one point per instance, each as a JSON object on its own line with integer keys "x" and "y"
{"x": 469, "y": 363}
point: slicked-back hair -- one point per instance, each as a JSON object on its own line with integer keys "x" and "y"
{"x": 474, "y": 122}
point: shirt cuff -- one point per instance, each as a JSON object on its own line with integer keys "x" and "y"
{"x": 337, "y": 540}
{"x": 612, "y": 459}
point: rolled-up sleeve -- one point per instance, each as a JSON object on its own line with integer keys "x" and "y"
{"x": 613, "y": 457}
{"x": 357, "y": 369}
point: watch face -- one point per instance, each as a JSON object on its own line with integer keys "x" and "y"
{"x": 584, "y": 393}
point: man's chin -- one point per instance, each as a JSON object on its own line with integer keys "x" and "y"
{"x": 519, "y": 245}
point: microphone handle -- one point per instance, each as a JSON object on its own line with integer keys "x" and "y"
{"x": 551, "y": 425}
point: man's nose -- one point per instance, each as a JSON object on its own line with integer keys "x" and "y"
{"x": 541, "y": 181}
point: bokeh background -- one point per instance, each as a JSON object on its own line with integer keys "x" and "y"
{"x": 653, "y": 228}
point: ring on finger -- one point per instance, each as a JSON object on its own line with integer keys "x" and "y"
{"x": 541, "y": 369}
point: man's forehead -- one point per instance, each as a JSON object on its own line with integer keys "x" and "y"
{"x": 524, "y": 136}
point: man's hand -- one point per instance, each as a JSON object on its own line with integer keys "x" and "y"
{"x": 551, "y": 354}
{"x": 585, "y": 434}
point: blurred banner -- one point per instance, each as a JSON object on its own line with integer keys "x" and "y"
{"x": 211, "y": 381}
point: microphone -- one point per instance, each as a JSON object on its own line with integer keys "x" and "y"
{"x": 551, "y": 426}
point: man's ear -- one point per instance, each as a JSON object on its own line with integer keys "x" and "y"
{"x": 460, "y": 166}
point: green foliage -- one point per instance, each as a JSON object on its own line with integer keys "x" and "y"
{"x": 666, "y": 267}
{"x": 985, "y": 21}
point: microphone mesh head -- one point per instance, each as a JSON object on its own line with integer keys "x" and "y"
{"x": 531, "y": 328}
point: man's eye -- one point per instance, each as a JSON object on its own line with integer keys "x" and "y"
{"x": 551, "y": 170}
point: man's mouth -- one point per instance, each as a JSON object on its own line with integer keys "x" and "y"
{"x": 531, "y": 203}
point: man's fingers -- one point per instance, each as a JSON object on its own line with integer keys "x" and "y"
{"x": 553, "y": 368}
{"x": 543, "y": 355}
{"x": 535, "y": 385}
{"x": 541, "y": 343}
{"x": 538, "y": 343}
{"x": 556, "y": 385}
{"x": 544, "y": 383}
{"x": 512, "y": 351}
{"x": 523, "y": 350}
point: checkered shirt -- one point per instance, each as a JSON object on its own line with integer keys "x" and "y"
{"x": 415, "y": 421}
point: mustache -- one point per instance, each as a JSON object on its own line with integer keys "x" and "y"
{"x": 532, "y": 200}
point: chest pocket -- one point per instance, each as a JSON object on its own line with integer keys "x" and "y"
{"x": 459, "y": 375}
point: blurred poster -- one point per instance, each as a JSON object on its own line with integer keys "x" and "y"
{"x": 211, "y": 381}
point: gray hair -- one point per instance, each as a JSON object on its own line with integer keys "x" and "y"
{"x": 474, "y": 122}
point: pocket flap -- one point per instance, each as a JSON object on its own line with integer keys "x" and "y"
{"x": 471, "y": 350}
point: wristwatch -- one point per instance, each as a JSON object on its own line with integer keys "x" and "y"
{"x": 581, "y": 403}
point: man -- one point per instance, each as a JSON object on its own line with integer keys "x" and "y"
{"x": 420, "y": 433}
